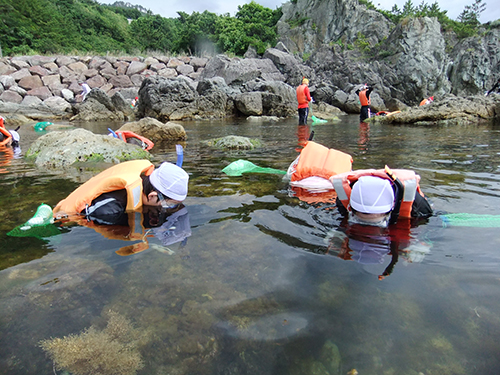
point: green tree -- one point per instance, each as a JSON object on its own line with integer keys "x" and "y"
{"x": 231, "y": 36}
{"x": 470, "y": 14}
{"x": 196, "y": 31}
{"x": 155, "y": 33}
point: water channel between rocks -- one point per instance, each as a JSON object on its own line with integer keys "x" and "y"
{"x": 263, "y": 284}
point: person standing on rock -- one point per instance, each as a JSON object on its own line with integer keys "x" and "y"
{"x": 303, "y": 97}
{"x": 364, "y": 99}
{"x": 85, "y": 90}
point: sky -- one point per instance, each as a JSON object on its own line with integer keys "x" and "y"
{"x": 169, "y": 8}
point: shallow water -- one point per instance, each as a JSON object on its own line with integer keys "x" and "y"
{"x": 263, "y": 284}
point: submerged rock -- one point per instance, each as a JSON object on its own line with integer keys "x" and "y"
{"x": 234, "y": 142}
{"x": 64, "y": 148}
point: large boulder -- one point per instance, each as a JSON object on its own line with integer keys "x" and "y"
{"x": 237, "y": 71}
{"x": 292, "y": 68}
{"x": 249, "y": 103}
{"x": 176, "y": 99}
{"x": 156, "y": 131}
{"x": 61, "y": 149}
{"x": 98, "y": 106}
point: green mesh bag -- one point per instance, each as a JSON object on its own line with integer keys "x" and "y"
{"x": 318, "y": 120}
{"x": 43, "y": 231}
{"x": 39, "y": 226}
{"x": 470, "y": 220}
{"x": 238, "y": 167}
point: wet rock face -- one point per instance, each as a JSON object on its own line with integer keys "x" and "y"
{"x": 322, "y": 22}
{"x": 475, "y": 64}
{"x": 407, "y": 62}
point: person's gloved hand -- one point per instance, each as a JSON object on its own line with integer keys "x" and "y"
{"x": 312, "y": 100}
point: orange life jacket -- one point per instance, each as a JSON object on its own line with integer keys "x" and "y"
{"x": 318, "y": 160}
{"x": 363, "y": 99}
{"x": 126, "y": 175}
{"x": 125, "y": 135}
{"x": 424, "y": 102}
{"x": 410, "y": 180}
{"x": 6, "y": 133}
{"x": 302, "y": 96}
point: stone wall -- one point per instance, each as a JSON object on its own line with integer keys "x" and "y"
{"x": 54, "y": 80}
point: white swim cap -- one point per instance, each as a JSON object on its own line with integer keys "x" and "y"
{"x": 171, "y": 181}
{"x": 15, "y": 135}
{"x": 372, "y": 195}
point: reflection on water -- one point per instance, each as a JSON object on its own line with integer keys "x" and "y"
{"x": 268, "y": 283}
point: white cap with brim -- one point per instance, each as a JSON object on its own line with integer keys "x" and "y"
{"x": 171, "y": 181}
{"x": 372, "y": 195}
{"x": 15, "y": 135}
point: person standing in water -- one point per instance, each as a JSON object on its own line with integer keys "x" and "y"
{"x": 303, "y": 97}
{"x": 364, "y": 99}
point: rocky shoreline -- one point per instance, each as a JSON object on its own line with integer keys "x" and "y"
{"x": 185, "y": 88}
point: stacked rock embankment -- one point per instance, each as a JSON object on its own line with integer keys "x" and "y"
{"x": 50, "y": 84}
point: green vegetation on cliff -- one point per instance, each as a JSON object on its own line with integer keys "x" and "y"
{"x": 85, "y": 26}
{"x": 69, "y": 26}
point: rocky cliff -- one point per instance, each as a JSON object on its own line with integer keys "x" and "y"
{"x": 350, "y": 45}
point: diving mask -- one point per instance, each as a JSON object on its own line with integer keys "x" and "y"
{"x": 163, "y": 201}
{"x": 381, "y": 221}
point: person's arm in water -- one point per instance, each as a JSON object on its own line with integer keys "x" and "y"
{"x": 421, "y": 207}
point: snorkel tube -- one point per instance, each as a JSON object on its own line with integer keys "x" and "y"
{"x": 399, "y": 197}
{"x": 180, "y": 155}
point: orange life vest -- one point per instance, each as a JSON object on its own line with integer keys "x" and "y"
{"x": 302, "y": 96}
{"x": 125, "y": 135}
{"x": 410, "y": 180}
{"x": 363, "y": 99}
{"x": 6, "y": 133}
{"x": 126, "y": 175}
{"x": 318, "y": 160}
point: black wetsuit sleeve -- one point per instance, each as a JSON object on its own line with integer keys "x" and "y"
{"x": 368, "y": 92}
{"x": 108, "y": 208}
{"x": 342, "y": 210}
{"x": 421, "y": 207}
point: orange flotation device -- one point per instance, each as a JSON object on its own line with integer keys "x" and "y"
{"x": 126, "y": 175}
{"x": 7, "y": 137}
{"x": 363, "y": 99}
{"x": 318, "y": 160}
{"x": 343, "y": 186}
{"x": 309, "y": 174}
{"x": 127, "y": 136}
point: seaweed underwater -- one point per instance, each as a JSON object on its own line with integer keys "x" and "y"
{"x": 111, "y": 351}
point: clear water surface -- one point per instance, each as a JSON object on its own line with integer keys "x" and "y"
{"x": 265, "y": 283}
